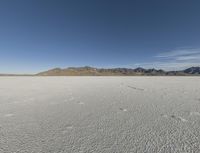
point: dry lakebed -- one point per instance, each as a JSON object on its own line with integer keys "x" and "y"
{"x": 100, "y": 114}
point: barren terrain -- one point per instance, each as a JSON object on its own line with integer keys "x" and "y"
{"x": 99, "y": 114}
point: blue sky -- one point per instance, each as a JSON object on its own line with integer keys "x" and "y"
{"x": 36, "y": 35}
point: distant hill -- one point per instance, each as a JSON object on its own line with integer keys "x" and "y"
{"x": 192, "y": 70}
{"x": 90, "y": 71}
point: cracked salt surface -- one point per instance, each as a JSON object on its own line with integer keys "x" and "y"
{"x": 120, "y": 115}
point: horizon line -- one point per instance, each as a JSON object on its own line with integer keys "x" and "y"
{"x": 63, "y": 68}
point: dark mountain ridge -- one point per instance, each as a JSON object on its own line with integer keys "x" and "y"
{"x": 192, "y": 70}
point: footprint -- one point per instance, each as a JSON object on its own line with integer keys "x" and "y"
{"x": 173, "y": 116}
{"x": 140, "y": 89}
{"x": 182, "y": 119}
{"x": 67, "y": 128}
{"x": 179, "y": 118}
{"x": 164, "y": 115}
{"x": 9, "y": 115}
{"x": 123, "y": 109}
{"x": 80, "y": 103}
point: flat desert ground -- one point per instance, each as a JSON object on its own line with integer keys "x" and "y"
{"x": 99, "y": 114}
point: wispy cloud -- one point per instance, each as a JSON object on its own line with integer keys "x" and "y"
{"x": 179, "y": 53}
{"x": 175, "y": 59}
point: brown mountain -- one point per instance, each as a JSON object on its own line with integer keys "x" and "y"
{"x": 90, "y": 71}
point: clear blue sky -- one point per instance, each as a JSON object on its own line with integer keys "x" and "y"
{"x": 36, "y": 35}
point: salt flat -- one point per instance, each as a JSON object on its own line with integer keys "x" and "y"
{"x": 99, "y": 114}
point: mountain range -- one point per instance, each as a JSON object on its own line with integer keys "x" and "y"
{"x": 91, "y": 71}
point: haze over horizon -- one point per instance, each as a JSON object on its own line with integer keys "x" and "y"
{"x": 37, "y": 35}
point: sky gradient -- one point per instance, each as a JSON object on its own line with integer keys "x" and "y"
{"x": 37, "y": 35}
